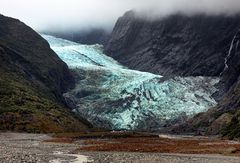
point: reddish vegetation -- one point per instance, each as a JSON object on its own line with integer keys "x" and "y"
{"x": 94, "y": 134}
{"x": 164, "y": 145}
{"x": 139, "y": 142}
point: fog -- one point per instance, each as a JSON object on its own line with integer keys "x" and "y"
{"x": 84, "y": 14}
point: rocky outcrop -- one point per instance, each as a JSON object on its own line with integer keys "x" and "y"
{"x": 174, "y": 45}
{"x": 32, "y": 81}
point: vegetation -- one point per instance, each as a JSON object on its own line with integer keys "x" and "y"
{"x": 163, "y": 145}
{"x": 232, "y": 106}
{"x": 26, "y": 109}
{"x": 232, "y": 131}
{"x": 32, "y": 80}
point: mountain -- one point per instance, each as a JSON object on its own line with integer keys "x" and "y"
{"x": 115, "y": 97}
{"x": 225, "y": 117}
{"x": 174, "y": 45}
{"x": 32, "y": 81}
{"x": 89, "y": 37}
{"x": 179, "y": 45}
{"x": 178, "y": 73}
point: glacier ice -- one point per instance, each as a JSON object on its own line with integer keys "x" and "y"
{"x": 110, "y": 95}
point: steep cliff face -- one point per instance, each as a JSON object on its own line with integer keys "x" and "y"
{"x": 231, "y": 81}
{"x": 225, "y": 117}
{"x": 46, "y": 67}
{"x": 231, "y": 73}
{"x": 174, "y": 45}
{"x": 32, "y": 81}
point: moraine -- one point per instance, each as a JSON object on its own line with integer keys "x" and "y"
{"x": 110, "y": 95}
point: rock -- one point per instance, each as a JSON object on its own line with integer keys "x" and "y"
{"x": 28, "y": 53}
{"x": 231, "y": 73}
{"x": 224, "y": 118}
{"x": 179, "y": 45}
{"x": 220, "y": 123}
{"x": 174, "y": 45}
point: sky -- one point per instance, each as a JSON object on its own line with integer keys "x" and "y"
{"x": 84, "y": 14}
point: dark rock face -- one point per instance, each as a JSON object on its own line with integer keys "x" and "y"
{"x": 175, "y": 45}
{"x": 42, "y": 66}
{"x": 224, "y": 118}
{"x": 231, "y": 73}
{"x": 32, "y": 81}
{"x": 93, "y": 36}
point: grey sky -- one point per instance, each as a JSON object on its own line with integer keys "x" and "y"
{"x": 82, "y": 14}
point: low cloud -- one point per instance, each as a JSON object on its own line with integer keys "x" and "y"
{"x": 84, "y": 14}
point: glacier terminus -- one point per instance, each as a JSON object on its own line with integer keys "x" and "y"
{"x": 113, "y": 96}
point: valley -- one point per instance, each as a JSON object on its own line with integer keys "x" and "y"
{"x": 120, "y": 82}
{"x": 112, "y": 96}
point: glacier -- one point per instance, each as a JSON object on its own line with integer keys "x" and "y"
{"x": 112, "y": 96}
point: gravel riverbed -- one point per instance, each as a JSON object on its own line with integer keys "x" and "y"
{"x": 31, "y": 148}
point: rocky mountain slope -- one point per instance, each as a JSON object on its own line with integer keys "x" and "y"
{"x": 32, "y": 81}
{"x": 225, "y": 117}
{"x": 174, "y": 45}
{"x": 180, "y": 45}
